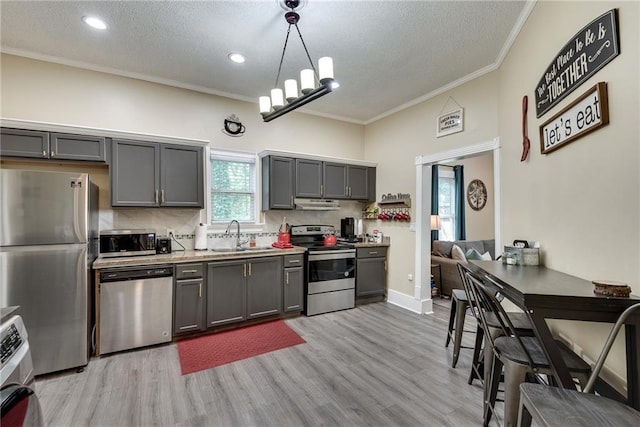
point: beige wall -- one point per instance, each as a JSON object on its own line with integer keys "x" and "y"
{"x": 480, "y": 224}
{"x": 582, "y": 201}
{"x": 45, "y": 92}
{"x": 394, "y": 143}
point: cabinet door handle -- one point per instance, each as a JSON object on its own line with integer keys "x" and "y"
{"x": 291, "y": 200}
{"x": 294, "y": 261}
{"x": 349, "y": 191}
{"x": 346, "y": 191}
{"x": 245, "y": 270}
{"x": 189, "y": 271}
{"x": 373, "y": 252}
{"x": 249, "y": 269}
{"x": 162, "y": 196}
{"x": 287, "y": 277}
{"x": 53, "y": 154}
{"x": 321, "y": 189}
{"x": 200, "y": 290}
{"x": 385, "y": 265}
{"x": 44, "y": 153}
{"x": 156, "y": 197}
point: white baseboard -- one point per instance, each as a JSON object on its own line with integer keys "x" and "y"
{"x": 409, "y": 302}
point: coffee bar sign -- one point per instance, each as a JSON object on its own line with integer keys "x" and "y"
{"x": 588, "y": 51}
{"x": 585, "y": 114}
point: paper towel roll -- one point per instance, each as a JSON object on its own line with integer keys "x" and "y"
{"x": 201, "y": 237}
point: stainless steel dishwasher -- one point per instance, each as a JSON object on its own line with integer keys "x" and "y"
{"x": 136, "y": 306}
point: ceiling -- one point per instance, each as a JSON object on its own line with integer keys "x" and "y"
{"x": 387, "y": 54}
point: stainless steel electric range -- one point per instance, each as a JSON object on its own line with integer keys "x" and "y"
{"x": 331, "y": 270}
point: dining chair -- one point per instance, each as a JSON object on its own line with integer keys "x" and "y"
{"x": 457, "y": 314}
{"x": 483, "y": 355}
{"x": 518, "y": 355}
{"x": 552, "y": 406}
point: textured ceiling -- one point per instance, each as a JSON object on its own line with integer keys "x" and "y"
{"x": 387, "y": 54}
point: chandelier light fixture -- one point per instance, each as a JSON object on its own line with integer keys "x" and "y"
{"x": 279, "y": 103}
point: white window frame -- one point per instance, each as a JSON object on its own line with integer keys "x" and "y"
{"x": 234, "y": 155}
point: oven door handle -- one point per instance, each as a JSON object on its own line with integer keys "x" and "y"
{"x": 337, "y": 254}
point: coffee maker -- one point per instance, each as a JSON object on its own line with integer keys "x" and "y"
{"x": 348, "y": 229}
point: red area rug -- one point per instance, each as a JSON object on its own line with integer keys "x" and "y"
{"x": 213, "y": 350}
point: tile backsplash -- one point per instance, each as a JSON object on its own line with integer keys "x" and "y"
{"x": 184, "y": 221}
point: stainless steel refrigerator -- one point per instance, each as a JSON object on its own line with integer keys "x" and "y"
{"x": 48, "y": 239}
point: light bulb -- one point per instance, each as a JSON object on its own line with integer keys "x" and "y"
{"x": 325, "y": 69}
{"x": 307, "y": 83}
{"x": 277, "y": 99}
{"x": 265, "y": 104}
{"x": 291, "y": 89}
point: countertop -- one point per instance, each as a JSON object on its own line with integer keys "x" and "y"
{"x": 209, "y": 255}
{"x": 191, "y": 256}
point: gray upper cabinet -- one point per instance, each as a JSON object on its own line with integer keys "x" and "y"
{"x": 181, "y": 176}
{"x": 342, "y": 181}
{"x": 335, "y": 180}
{"x": 77, "y": 147}
{"x": 284, "y": 178}
{"x": 135, "y": 173}
{"x": 277, "y": 182}
{"x": 147, "y": 174}
{"x": 56, "y": 146}
{"x": 309, "y": 178}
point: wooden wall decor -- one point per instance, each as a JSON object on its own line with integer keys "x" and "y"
{"x": 584, "y": 115}
{"x": 593, "y": 47}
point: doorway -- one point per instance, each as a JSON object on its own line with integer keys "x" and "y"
{"x": 422, "y": 289}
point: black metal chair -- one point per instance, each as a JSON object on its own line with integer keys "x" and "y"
{"x": 552, "y": 406}
{"x": 481, "y": 361}
{"x": 459, "y": 306}
{"x": 520, "y": 356}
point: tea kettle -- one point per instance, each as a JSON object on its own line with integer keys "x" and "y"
{"x": 330, "y": 240}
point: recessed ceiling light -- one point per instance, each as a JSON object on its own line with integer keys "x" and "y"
{"x": 237, "y": 58}
{"x": 94, "y": 22}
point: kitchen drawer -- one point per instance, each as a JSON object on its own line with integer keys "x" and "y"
{"x": 293, "y": 261}
{"x": 189, "y": 271}
{"x": 373, "y": 252}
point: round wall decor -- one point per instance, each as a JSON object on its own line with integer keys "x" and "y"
{"x": 476, "y": 194}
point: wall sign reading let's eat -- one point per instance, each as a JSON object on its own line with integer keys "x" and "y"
{"x": 585, "y": 114}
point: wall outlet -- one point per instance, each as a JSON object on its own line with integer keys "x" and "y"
{"x": 170, "y": 232}
{"x": 410, "y": 277}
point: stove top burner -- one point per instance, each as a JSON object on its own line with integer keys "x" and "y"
{"x": 312, "y": 237}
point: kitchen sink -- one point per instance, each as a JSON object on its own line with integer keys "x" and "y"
{"x": 259, "y": 248}
{"x": 228, "y": 249}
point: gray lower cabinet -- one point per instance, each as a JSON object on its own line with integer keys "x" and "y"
{"x": 277, "y": 182}
{"x": 264, "y": 287}
{"x": 293, "y": 286}
{"x": 226, "y": 292}
{"x": 52, "y": 145}
{"x": 189, "y": 296}
{"x": 243, "y": 289}
{"x": 148, "y": 174}
{"x": 371, "y": 271}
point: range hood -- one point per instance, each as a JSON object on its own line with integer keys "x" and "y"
{"x": 317, "y": 204}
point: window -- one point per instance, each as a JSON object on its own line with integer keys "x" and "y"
{"x": 233, "y": 187}
{"x": 447, "y": 205}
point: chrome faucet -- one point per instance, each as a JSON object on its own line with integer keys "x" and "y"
{"x": 238, "y": 244}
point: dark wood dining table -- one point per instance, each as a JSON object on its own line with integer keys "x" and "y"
{"x": 544, "y": 294}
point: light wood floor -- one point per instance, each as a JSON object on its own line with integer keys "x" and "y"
{"x": 375, "y": 365}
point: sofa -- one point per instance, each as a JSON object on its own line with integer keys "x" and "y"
{"x": 441, "y": 254}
